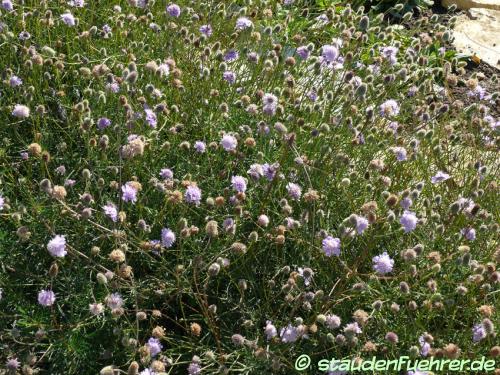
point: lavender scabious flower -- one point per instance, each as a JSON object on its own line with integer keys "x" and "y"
{"x": 332, "y": 321}
{"x": 111, "y": 211}
{"x": 68, "y": 19}
{"x": 200, "y": 147}
{"x": 193, "y": 194}
{"x": 269, "y": 104}
{"x": 103, "y": 123}
{"x": 243, "y": 23}
{"x": 383, "y": 264}
{"x": 15, "y": 81}
{"x": 303, "y": 52}
{"x": 154, "y": 346}
{"x": 406, "y": 203}
{"x": 389, "y": 108}
{"x": 331, "y": 246}
{"x": 294, "y": 190}
{"x": 329, "y": 53}
{"x": 424, "y": 346}
{"x": 256, "y": 171}
{"x": 166, "y": 174}
{"x": 409, "y": 221}
{"x": 12, "y": 364}
{"x": 129, "y": 193}
{"x": 231, "y": 55}
{"x": 361, "y": 224}
{"x": 228, "y": 142}
{"x": 151, "y": 118}
{"x": 270, "y": 170}
{"x": 174, "y": 10}
{"x": 7, "y": 5}
{"x": 46, "y": 297}
{"x": 2, "y": 202}
{"x": 389, "y": 53}
{"x": 57, "y": 246}
{"x": 114, "y": 301}
{"x": 469, "y": 233}
{"x": 167, "y": 238}
{"x": 478, "y": 333}
{"x": 439, "y": 177}
{"x": 96, "y": 308}
{"x": 206, "y": 30}
{"x": 21, "y": 111}
{"x": 289, "y": 334}
{"x": 270, "y": 330}
{"x": 239, "y": 184}
{"x": 194, "y": 368}
{"x": 229, "y": 76}
{"x": 400, "y": 153}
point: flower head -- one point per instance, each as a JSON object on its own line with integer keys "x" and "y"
{"x": 389, "y": 108}
{"x": 409, "y": 221}
{"x": 193, "y": 194}
{"x": 440, "y": 176}
{"x": 239, "y": 184}
{"x": 21, "y": 111}
{"x": 383, "y": 264}
{"x": 154, "y": 346}
{"x": 228, "y": 142}
{"x": 331, "y": 246}
{"x": 57, "y": 246}
{"x": 174, "y": 10}
{"x": 294, "y": 190}
{"x": 129, "y": 193}
{"x": 167, "y": 237}
{"x": 46, "y": 297}
{"x": 243, "y": 23}
{"x": 111, "y": 211}
{"x": 68, "y": 19}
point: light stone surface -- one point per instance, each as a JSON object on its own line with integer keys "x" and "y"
{"x": 468, "y": 4}
{"x": 478, "y": 32}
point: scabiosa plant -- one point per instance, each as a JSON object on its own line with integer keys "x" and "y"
{"x": 167, "y": 238}
{"x": 193, "y": 195}
{"x": 21, "y": 111}
{"x": 129, "y": 193}
{"x": 46, "y": 297}
{"x": 383, "y": 264}
{"x": 57, "y": 246}
{"x": 409, "y": 221}
{"x": 331, "y": 246}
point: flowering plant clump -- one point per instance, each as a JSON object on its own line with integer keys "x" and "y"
{"x": 212, "y": 187}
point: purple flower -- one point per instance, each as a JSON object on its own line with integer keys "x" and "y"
{"x": 193, "y": 194}
{"x": 194, "y": 368}
{"x": 256, "y": 171}
{"x": 400, "y": 153}
{"x": 383, "y": 264}
{"x": 478, "y": 333}
{"x": 57, "y": 246}
{"x": 412, "y": 91}
{"x": 96, "y": 308}
{"x": 409, "y": 221}
{"x": 361, "y": 224}
{"x": 294, "y": 190}
{"x": 289, "y": 334}
{"x": 270, "y": 170}
{"x": 2, "y": 202}
{"x": 154, "y": 346}
{"x": 331, "y": 246}
{"x": 389, "y": 108}
{"x": 406, "y": 203}
{"x": 77, "y": 3}
{"x": 332, "y": 321}
{"x": 469, "y": 233}
{"x": 303, "y": 52}
{"x": 206, "y": 30}
{"x": 439, "y": 177}
{"x": 239, "y": 184}
{"x": 46, "y": 297}
{"x": 243, "y": 23}
{"x": 113, "y": 87}
{"x": 228, "y": 142}
{"x": 7, "y": 5}
{"x": 166, "y": 174}
{"x": 114, "y": 301}
{"x": 228, "y": 224}
{"x": 478, "y": 92}
{"x": 111, "y": 211}
{"x": 12, "y": 364}
{"x": 150, "y": 117}
{"x": 424, "y": 346}
{"x": 200, "y": 147}
{"x": 329, "y": 53}
{"x": 129, "y": 193}
{"x": 270, "y": 330}
{"x": 68, "y": 19}
{"x": 269, "y": 104}
{"x": 174, "y": 10}
{"x": 21, "y": 111}
{"x": 103, "y": 123}
{"x": 167, "y": 238}
{"x": 389, "y": 53}
{"x": 352, "y": 329}
{"x": 15, "y": 81}
{"x": 231, "y": 55}
{"x": 229, "y": 76}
